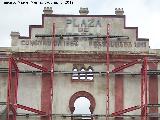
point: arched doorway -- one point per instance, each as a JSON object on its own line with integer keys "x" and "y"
{"x": 82, "y": 95}
{"x": 82, "y": 105}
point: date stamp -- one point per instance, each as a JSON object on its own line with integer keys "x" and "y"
{"x": 38, "y": 2}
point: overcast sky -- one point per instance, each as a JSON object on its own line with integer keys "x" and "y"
{"x": 144, "y": 14}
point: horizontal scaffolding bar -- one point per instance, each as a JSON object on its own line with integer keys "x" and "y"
{"x": 98, "y": 73}
{"x": 153, "y": 105}
{"x": 3, "y": 103}
{"x": 87, "y": 115}
{"x": 84, "y": 36}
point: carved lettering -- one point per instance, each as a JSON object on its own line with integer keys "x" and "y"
{"x": 23, "y": 42}
{"x": 76, "y": 38}
{"x": 102, "y": 43}
{"x": 98, "y": 23}
{"x": 73, "y": 41}
{"x": 58, "y": 42}
{"x": 80, "y": 29}
{"x": 91, "y": 23}
{"x": 86, "y": 29}
{"x": 84, "y": 22}
{"x": 75, "y": 24}
{"x": 68, "y": 21}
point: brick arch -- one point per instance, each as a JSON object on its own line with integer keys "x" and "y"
{"x": 82, "y": 94}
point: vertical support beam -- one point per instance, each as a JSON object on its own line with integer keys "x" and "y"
{"x": 52, "y": 68}
{"x": 14, "y": 84}
{"x": 119, "y": 90}
{"x": 144, "y": 85}
{"x": 142, "y": 91}
{"x": 46, "y": 92}
{"x": 47, "y": 83}
{"x": 12, "y": 89}
{"x": 153, "y": 90}
{"x": 107, "y": 71}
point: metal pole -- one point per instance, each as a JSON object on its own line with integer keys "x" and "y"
{"x": 142, "y": 95}
{"x": 9, "y": 87}
{"x": 144, "y": 90}
{"x": 145, "y": 80}
{"x": 14, "y": 85}
{"x": 52, "y": 69}
{"x": 107, "y": 72}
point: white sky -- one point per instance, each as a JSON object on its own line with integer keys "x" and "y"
{"x": 144, "y": 14}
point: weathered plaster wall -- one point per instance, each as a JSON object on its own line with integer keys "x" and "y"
{"x": 64, "y": 88}
{"x": 95, "y": 25}
{"x": 132, "y": 88}
{"x": 29, "y": 91}
{"x": 3, "y": 82}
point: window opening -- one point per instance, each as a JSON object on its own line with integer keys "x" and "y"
{"x": 75, "y": 74}
{"x": 90, "y": 74}
{"x": 82, "y": 74}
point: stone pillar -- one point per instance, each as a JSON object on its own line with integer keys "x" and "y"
{"x": 119, "y": 96}
{"x": 46, "y": 104}
{"x": 153, "y": 90}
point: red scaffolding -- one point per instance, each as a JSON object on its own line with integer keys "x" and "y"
{"x": 107, "y": 71}
{"x": 12, "y": 88}
{"x": 13, "y": 74}
{"x": 143, "y": 105}
{"x": 12, "y": 104}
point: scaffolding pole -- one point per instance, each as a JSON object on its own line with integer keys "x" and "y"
{"x": 52, "y": 69}
{"x": 107, "y": 72}
{"x": 12, "y": 88}
{"x": 144, "y": 96}
{"x": 144, "y": 90}
{"x": 83, "y": 36}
